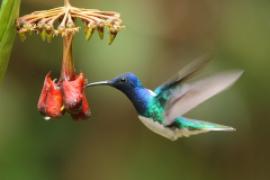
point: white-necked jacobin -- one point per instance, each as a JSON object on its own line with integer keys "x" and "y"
{"x": 161, "y": 110}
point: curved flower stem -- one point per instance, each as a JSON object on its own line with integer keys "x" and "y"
{"x": 66, "y": 3}
{"x": 67, "y": 72}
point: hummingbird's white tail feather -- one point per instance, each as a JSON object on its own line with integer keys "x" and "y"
{"x": 187, "y": 127}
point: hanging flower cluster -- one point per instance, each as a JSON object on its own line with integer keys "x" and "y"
{"x": 61, "y": 21}
{"x": 67, "y": 93}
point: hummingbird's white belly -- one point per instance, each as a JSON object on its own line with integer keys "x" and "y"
{"x": 171, "y": 133}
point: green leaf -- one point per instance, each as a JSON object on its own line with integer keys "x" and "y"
{"x": 8, "y": 14}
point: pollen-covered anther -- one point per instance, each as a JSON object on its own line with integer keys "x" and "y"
{"x": 88, "y": 32}
{"x": 64, "y": 31}
{"x": 46, "y": 34}
{"x": 29, "y": 27}
{"x": 100, "y": 29}
{"x": 113, "y": 34}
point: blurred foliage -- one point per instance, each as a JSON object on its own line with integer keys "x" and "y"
{"x": 161, "y": 36}
{"x": 8, "y": 13}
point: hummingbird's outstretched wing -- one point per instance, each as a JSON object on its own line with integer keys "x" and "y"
{"x": 191, "y": 95}
{"x": 184, "y": 74}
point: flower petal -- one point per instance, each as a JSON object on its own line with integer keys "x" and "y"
{"x": 43, "y": 96}
{"x": 85, "y": 111}
{"x": 73, "y": 92}
{"x": 50, "y": 102}
{"x": 54, "y": 103}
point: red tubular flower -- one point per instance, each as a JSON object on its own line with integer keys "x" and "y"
{"x": 50, "y": 102}
{"x": 74, "y": 98}
{"x": 68, "y": 93}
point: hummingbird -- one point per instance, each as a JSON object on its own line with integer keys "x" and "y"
{"x": 162, "y": 110}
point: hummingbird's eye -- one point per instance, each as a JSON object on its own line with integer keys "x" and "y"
{"x": 123, "y": 80}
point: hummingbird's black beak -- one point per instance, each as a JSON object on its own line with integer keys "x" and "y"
{"x": 100, "y": 83}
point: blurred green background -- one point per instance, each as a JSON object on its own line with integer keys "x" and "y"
{"x": 160, "y": 37}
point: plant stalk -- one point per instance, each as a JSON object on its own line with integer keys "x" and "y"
{"x": 67, "y": 72}
{"x": 66, "y": 3}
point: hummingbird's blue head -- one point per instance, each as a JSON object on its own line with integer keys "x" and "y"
{"x": 130, "y": 85}
{"x": 125, "y": 82}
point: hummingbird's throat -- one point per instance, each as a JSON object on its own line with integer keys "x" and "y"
{"x": 140, "y": 98}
